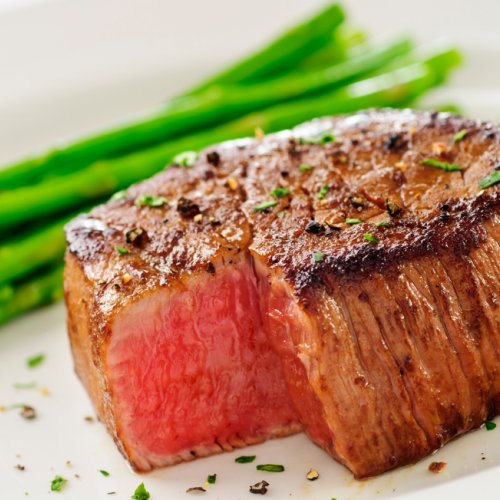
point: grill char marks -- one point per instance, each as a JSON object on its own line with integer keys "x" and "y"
{"x": 390, "y": 347}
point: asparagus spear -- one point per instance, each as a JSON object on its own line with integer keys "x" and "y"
{"x": 44, "y": 289}
{"x": 286, "y": 51}
{"x": 105, "y": 177}
{"x": 180, "y": 116}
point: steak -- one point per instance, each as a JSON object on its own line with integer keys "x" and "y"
{"x": 360, "y": 299}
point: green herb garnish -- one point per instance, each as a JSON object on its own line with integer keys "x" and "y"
{"x": 381, "y": 224}
{"x": 150, "y": 200}
{"x": 318, "y": 256}
{"x": 460, "y": 135}
{"x": 322, "y": 192}
{"x": 211, "y": 479}
{"x": 36, "y": 360}
{"x": 104, "y": 473}
{"x": 185, "y": 159}
{"x": 271, "y": 468}
{"x": 348, "y": 220}
{"x": 371, "y": 238}
{"x": 490, "y": 425}
{"x": 122, "y": 251}
{"x": 441, "y": 164}
{"x": 120, "y": 195}
{"x": 491, "y": 179}
{"x": 322, "y": 139}
{"x": 56, "y": 484}
{"x": 32, "y": 385}
{"x": 280, "y": 192}
{"x": 304, "y": 166}
{"x": 264, "y": 205}
{"x": 141, "y": 493}
{"x": 245, "y": 459}
{"x": 281, "y": 214}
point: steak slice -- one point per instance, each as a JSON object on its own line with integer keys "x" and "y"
{"x": 375, "y": 278}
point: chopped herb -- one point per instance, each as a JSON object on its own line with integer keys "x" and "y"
{"x": 259, "y": 488}
{"x": 211, "y": 479}
{"x": 279, "y": 192}
{"x": 491, "y": 179}
{"x": 36, "y": 360}
{"x": 104, "y": 473}
{"x": 381, "y": 224}
{"x": 460, "y": 135}
{"x": 322, "y": 192}
{"x": 304, "y": 166}
{"x": 122, "y": 251}
{"x": 348, "y": 220}
{"x": 272, "y": 467}
{"x": 32, "y": 385}
{"x": 150, "y": 200}
{"x": 322, "y": 139}
{"x": 120, "y": 195}
{"x": 490, "y": 425}
{"x": 264, "y": 205}
{"x": 196, "y": 488}
{"x": 56, "y": 484}
{"x": 281, "y": 214}
{"x": 245, "y": 459}
{"x": 185, "y": 159}
{"x": 371, "y": 238}
{"x": 318, "y": 256}
{"x": 20, "y": 467}
{"x": 141, "y": 493}
{"x": 441, "y": 164}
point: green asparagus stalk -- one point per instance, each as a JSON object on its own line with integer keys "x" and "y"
{"x": 41, "y": 290}
{"x": 105, "y": 177}
{"x": 285, "y": 52}
{"x": 36, "y": 250}
{"x": 181, "y": 116}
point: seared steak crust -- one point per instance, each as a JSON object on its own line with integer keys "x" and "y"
{"x": 389, "y": 344}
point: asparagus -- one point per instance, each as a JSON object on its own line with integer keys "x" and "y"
{"x": 105, "y": 177}
{"x": 180, "y": 116}
{"x": 43, "y": 247}
{"x": 293, "y": 46}
{"x": 41, "y": 290}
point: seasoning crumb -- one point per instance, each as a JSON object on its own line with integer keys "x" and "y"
{"x": 413, "y": 131}
{"x": 126, "y": 278}
{"x": 20, "y": 467}
{"x": 206, "y": 485}
{"x": 439, "y": 147}
{"x": 232, "y": 183}
{"x": 101, "y": 282}
{"x": 437, "y": 467}
{"x": 402, "y": 166}
{"x": 28, "y": 412}
{"x": 78, "y": 477}
{"x": 88, "y": 418}
{"x": 259, "y": 488}
{"x": 312, "y": 475}
{"x": 198, "y": 218}
{"x": 213, "y": 220}
{"x": 259, "y": 133}
{"x": 196, "y": 488}
{"x": 68, "y": 464}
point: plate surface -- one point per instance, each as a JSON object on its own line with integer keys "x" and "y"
{"x": 60, "y": 441}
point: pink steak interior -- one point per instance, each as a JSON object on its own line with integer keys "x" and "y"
{"x": 191, "y": 372}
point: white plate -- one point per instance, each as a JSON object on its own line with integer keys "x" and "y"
{"x": 75, "y": 101}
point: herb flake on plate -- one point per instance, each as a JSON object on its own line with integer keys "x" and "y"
{"x": 56, "y": 483}
{"x": 104, "y": 473}
{"x": 36, "y": 360}
{"x": 490, "y": 425}
{"x": 185, "y": 159}
{"x": 141, "y": 493}
{"x": 211, "y": 479}
{"x": 271, "y": 467}
{"x": 460, "y": 135}
{"x": 323, "y": 192}
{"x": 371, "y": 238}
{"x": 305, "y": 166}
{"x": 122, "y": 251}
{"x": 150, "y": 200}
{"x": 245, "y": 459}
{"x": 350, "y": 221}
{"x": 318, "y": 256}
{"x": 381, "y": 224}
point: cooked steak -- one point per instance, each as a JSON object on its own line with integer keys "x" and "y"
{"x": 375, "y": 277}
